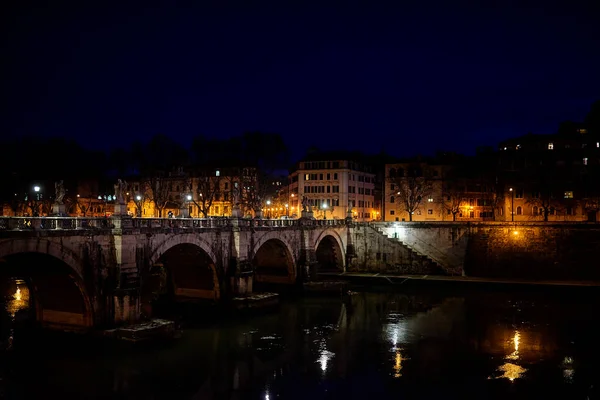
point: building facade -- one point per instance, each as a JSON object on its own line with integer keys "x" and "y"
{"x": 333, "y": 188}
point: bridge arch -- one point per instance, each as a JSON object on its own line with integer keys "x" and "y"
{"x": 53, "y": 277}
{"x": 190, "y": 268}
{"x": 329, "y": 251}
{"x": 273, "y": 260}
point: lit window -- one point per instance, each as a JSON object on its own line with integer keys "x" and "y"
{"x": 550, "y": 146}
{"x": 568, "y": 195}
{"x": 218, "y": 173}
{"x": 585, "y": 160}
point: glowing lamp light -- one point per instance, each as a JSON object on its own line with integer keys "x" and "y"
{"x": 18, "y": 294}
{"x": 268, "y": 202}
{"x": 138, "y": 197}
{"x": 189, "y": 197}
{"x": 515, "y": 233}
{"x": 36, "y": 189}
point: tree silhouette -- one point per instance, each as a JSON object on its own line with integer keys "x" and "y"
{"x": 206, "y": 189}
{"x": 411, "y": 188}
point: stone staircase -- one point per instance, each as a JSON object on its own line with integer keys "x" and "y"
{"x": 426, "y": 260}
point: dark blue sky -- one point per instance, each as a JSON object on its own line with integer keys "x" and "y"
{"x": 409, "y": 78}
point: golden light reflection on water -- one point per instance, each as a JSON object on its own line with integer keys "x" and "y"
{"x": 398, "y": 364}
{"x": 20, "y": 299}
{"x": 512, "y": 371}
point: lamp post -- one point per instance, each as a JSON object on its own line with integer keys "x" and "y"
{"x": 268, "y": 209}
{"x": 512, "y": 204}
{"x": 324, "y": 210}
{"x": 138, "y": 204}
{"x": 287, "y": 210}
{"x": 37, "y": 197}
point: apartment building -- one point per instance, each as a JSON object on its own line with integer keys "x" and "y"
{"x": 333, "y": 186}
{"x": 550, "y": 177}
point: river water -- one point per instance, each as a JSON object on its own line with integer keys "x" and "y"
{"x": 423, "y": 344}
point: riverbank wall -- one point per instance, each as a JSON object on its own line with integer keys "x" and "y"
{"x": 532, "y": 251}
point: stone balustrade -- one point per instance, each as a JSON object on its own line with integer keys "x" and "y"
{"x": 79, "y": 223}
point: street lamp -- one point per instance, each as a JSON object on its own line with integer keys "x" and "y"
{"x": 512, "y": 205}
{"x": 287, "y": 210}
{"x": 35, "y": 201}
{"x": 189, "y": 199}
{"x": 138, "y": 204}
{"x": 324, "y": 210}
{"x": 268, "y": 209}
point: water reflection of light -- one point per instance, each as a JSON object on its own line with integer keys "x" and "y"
{"x": 396, "y": 333}
{"x": 568, "y": 370}
{"x": 509, "y": 370}
{"x": 516, "y": 340}
{"x": 398, "y": 365}
{"x": 324, "y": 355}
{"x": 20, "y": 299}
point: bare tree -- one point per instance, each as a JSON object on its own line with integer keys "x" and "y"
{"x": 207, "y": 191}
{"x": 255, "y": 186}
{"x": 452, "y": 199}
{"x": 17, "y": 204}
{"x": 543, "y": 198}
{"x": 141, "y": 198}
{"x": 412, "y": 189}
{"x": 160, "y": 192}
{"x": 83, "y": 204}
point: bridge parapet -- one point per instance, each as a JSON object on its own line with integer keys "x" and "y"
{"x": 79, "y": 223}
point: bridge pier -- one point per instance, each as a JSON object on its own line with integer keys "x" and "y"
{"x": 126, "y": 299}
{"x": 307, "y": 261}
{"x": 239, "y": 273}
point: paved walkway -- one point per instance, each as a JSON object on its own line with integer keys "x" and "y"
{"x": 399, "y": 279}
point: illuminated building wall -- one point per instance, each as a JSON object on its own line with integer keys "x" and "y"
{"x": 340, "y": 184}
{"x": 430, "y": 207}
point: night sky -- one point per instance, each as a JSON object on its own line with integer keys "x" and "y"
{"x": 408, "y": 79}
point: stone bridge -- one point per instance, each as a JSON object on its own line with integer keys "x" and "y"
{"x": 97, "y": 272}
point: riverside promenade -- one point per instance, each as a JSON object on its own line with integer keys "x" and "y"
{"x": 399, "y": 279}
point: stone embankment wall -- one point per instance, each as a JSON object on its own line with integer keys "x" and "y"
{"x": 535, "y": 251}
{"x": 376, "y": 252}
{"x": 538, "y": 250}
